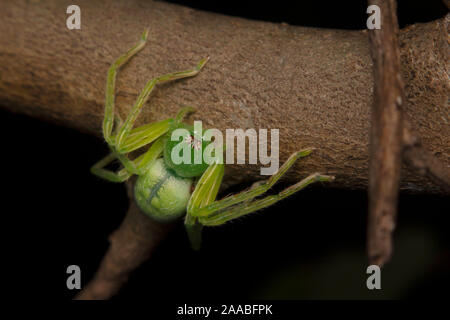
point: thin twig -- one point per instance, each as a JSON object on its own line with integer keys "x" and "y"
{"x": 392, "y": 138}
{"x": 386, "y": 134}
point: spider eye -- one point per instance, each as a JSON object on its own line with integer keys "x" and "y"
{"x": 196, "y": 164}
{"x": 193, "y": 142}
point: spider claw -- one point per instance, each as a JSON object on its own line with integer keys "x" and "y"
{"x": 202, "y": 63}
{"x": 144, "y": 35}
{"x": 305, "y": 152}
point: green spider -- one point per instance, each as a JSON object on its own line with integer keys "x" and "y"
{"x": 163, "y": 189}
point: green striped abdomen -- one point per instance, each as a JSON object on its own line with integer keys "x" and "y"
{"x": 161, "y": 194}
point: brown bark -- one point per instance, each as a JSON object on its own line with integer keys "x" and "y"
{"x": 386, "y": 133}
{"x": 315, "y": 85}
{"x": 392, "y": 138}
{"x": 130, "y": 245}
{"x": 422, "y": 161}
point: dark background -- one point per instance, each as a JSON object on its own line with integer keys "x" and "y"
{"x": 311, "y": 246}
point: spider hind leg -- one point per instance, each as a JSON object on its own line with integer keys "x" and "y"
{"x": 205, "y": 211}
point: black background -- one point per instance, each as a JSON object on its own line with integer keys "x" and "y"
{"x": 311, "y": 246}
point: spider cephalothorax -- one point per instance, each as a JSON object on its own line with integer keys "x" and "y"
{"x": 164, "y": 187}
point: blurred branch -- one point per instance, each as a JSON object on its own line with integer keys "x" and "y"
{"x": 386, "y": 133}
{"x": 130, "y": 245}
{"x": 422, "y": 161}
{"x": 391, "y": 137}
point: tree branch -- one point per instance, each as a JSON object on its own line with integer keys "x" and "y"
{"x": 386, "y": 134}
{"x": 391, "y": 138}
{"x": 130, "y": 245}
{"x": 423, "y": 161}
{"x": 315, "y": 85}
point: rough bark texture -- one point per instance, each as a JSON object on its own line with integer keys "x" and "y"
{"x": 386, "y": 143}
{"x": 315, "y": 85}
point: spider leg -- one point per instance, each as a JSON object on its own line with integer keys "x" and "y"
{"x": 221, "y": 211}
{"x": 125, "y": 139}
{"x": 125, "y": 130}
{"x": 222, "y": 216}
{"x": 181, "y": 114}
{"x": 108, "y": 121}
{"x": 204, "y": 210}
{"x": 153, "y": 153}
{"x": 139, "y": 165}
{"x": 205, "y": 192}
{"x": 146, "y": 134}
{"x": 141, "y": 136}
{"x": 98, "y": 170}
{"x": 257, "y": 189}
{"x": 138, "y": 138}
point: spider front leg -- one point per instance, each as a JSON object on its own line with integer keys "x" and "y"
{"x": 138, "y": 138}
{"x": 118, "y": 141}
{"x": 122, "y": 136}
{"x": 139, "y": 165}
{"x": 126, "y": 139}
{"x": 203, "y": 210}
{"x": 108, "y": 121}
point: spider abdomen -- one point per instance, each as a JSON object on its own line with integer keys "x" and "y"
{"x": 161, "y": 193}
